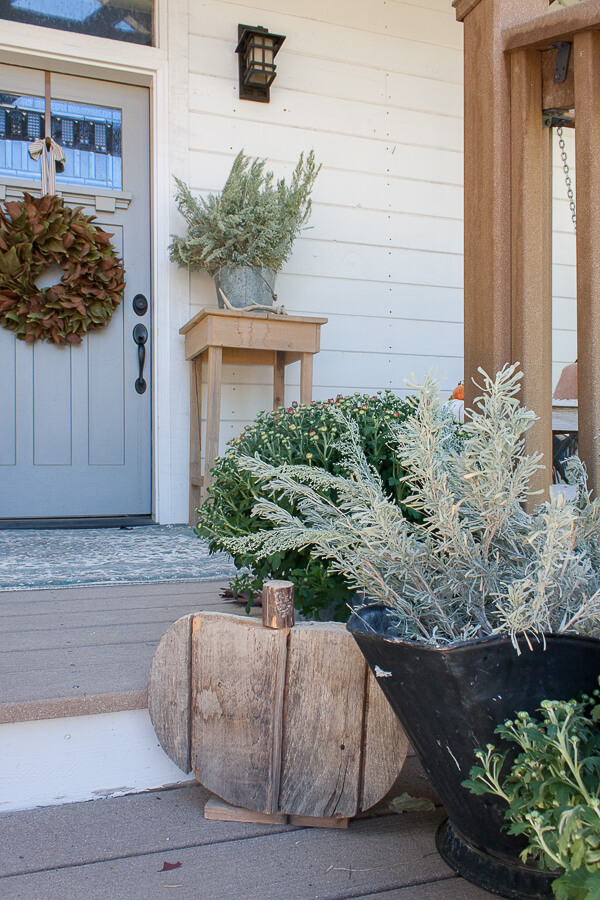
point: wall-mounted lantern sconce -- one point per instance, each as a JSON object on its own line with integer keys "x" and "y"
{"x": 257, "y": 49}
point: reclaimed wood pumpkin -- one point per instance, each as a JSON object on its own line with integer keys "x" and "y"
{"x": 279, "y": 720}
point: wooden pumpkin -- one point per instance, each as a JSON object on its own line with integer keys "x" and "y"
{"x": 278, "y": 720}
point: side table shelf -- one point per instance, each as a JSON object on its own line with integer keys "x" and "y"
{"x": 220, "y": 336}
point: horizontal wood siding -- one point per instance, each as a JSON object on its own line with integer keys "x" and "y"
{"x": 564, "y": 275}
{"x": 376, "y": 90}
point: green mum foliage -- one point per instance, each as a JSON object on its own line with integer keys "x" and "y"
{"x": 253, "y": 221}
{"x": 36, "y": 233}
{"x": 552, "y": 789}
{"x": 300, "y": 434}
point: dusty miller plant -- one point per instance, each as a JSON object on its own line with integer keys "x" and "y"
{"x": 253, "y": 221}
{"x": 478, "y": 563}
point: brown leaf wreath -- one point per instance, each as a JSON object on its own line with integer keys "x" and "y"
{"x": 35, "y": 233}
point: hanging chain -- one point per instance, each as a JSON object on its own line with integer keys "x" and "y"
{"x": 568, "y": 184}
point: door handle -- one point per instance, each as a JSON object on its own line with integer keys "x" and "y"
{"x": 140, "y": 336}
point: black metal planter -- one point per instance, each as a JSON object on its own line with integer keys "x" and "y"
{"x": 449, "y": 701}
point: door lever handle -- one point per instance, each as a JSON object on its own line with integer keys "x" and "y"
{"x": 140, "y": 336}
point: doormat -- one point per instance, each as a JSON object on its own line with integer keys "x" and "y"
{"x": 48, "y": 558}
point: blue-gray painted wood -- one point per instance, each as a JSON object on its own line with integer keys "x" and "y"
{"x": 8, "y": 433}
{"x": 75, "y": 436}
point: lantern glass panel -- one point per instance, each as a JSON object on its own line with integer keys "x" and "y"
{"x": 259, "y": 61}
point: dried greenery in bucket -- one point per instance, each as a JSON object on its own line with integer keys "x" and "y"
{"x": 299, "y": 434}
{"x": 253, "y": 221}
{"x": 478, "y": 563}
{"x": 37, "y": 232}
{"x": 552, "y": 790}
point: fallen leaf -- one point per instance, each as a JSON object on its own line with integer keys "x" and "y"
{"x": 167, "y": 866}
{"x": 406, "y": 803}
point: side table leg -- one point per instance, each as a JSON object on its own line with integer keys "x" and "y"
{"x": 213, "y": 412}
{"x": 279, "y": 380}
{"x": 195, "y": 439}
{"x": 306, "y": 377}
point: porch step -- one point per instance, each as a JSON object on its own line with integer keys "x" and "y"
{"x": 74, "y": 723}
{"x": 51, "y": 761}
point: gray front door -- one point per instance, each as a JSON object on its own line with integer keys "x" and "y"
{"x": 75, "y": 434}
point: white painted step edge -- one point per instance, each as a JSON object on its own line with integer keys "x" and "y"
{"x": 52, "y": 761}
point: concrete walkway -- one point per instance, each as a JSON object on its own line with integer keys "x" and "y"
{"x": 115, "y": 850}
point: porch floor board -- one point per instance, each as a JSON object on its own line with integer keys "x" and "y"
{"x": 116, "y": 847}
{"x": 74, "y": 651}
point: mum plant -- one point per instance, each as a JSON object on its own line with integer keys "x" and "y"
{"x": 476, "y": 563}
{"x": 293, "y": 435}
{"x": 253, "y": 221}
{"x": 551, "y": 789}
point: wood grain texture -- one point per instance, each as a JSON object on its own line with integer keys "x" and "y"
{"x": 195, "y": 437}
{"x": 280, "y": 720}
{"x": 559, "y": 95}
{"x": 318, "y": 821}
{"x": 278, "y": 604}
{"x": 487, "y": 256}
{"x": 306, "y": 378}
{"x": 240, "y": 338}
{"x": 218, "y": 810}
{"x": 279, "y": 380}
{"x": 587, "y": 103}
{"x": 385, "y": 746}
{"x": 320, "y": 772}
{"x": 559, "y": 25}
{"x": 213, "y": 413}
{"x": 169, "y": 685}
{"x": 238, "y": 670}
{"x": 531, "y": 250}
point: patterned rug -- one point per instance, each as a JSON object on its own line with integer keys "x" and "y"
{"x": 69, "y": 557}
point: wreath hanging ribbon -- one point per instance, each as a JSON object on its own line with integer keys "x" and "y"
{"x": 51, "y": 153}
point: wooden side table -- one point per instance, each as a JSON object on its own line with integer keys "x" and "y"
{"x": 254, "y": 338}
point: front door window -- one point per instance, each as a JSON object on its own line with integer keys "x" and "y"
{"x": 89, "y": 135}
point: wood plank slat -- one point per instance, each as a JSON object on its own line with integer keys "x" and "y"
{"x": 560, "y": 25}
{"x": 320, "y": 773}
{"x": 238, "y": 676}
{"x": 306, "y": 377}
{"x": 531, "y": 251}
{"x": 557, "y": 95}
{"x": 213, "y": 412}
{"x": 218, "y": 810}
{"x": 279, "y": 380}
{"x": 169, "y": 686}
{"x": 587, "y": 161}
{"x": 196, "y": 479}
{"x": 385, "y": 746}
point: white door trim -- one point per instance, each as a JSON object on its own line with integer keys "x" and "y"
{"x": 156, "y": 68}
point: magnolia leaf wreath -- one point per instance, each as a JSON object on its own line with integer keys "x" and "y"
{"x": 38, "y": 232}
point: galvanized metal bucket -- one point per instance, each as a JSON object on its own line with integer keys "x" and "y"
{"x": 244, "y": 285}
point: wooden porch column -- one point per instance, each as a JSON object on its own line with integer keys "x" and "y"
{"x": 487, "y": 255}
{"x": 531, "y": 190}
{"x": 587, "y": 164}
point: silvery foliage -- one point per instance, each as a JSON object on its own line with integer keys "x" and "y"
{"x": 479, "y": 564}
{"x": 253, "y": 221}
